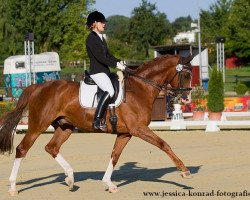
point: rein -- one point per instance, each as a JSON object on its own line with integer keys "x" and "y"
{"x": 150, "y": 82}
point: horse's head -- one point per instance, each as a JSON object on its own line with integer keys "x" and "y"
{"x": 179, "y": 74}
{"x": 169, "y": 72}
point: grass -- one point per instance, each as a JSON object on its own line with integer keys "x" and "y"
{"x": 243, "y": 71}
{"x": 230, "y": 82}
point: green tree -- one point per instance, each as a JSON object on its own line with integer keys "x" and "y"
{"x": 58, "y": 25}
{"x": 74, "y": 32}
{"x": 117, "y": 31}
{"x": 8, "y": 36}
{"x": 214, "y": 20}
{"x": 213, "y": 24}
{"x": 238, "y": 29}
{"x": 38, "y": 17}
{"x": 118, "y": 27}
{"x": 148, "y": 27}
{"x": 124, "y": 50}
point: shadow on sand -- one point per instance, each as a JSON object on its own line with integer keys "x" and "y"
{"x": 128, "y": 173}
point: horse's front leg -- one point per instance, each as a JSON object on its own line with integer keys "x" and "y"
{"x": 149, "y": 136}
{"x": 119, "y": 145}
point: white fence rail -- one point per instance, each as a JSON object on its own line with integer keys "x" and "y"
{"x": 188, "y": 123}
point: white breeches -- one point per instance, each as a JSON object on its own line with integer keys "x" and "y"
{"x": 104, "y": 82}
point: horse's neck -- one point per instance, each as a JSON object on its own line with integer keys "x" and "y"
{"x": 160, "y": 71}
{"x": 156, "y": 75}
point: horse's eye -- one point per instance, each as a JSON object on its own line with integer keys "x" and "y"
{"x": 187, "y": 76}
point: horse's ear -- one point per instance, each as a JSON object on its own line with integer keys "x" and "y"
{"x": 187, "y": 60}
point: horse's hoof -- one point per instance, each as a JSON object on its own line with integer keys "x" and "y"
{"x": 13, "y": 193}
{"x": 186, "y": 174}
{"x": 113, "y": 189}
{"x": 70, "y": 182}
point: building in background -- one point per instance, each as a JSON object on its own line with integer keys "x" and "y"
{"x": 185, "y": 37}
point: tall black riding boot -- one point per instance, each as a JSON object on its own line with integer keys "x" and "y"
{"x": 100, "y": 111}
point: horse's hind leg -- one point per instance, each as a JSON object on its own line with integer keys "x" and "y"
{"x": 12, "y": 191}
{"x": 119, "y": 145}
{"x": 61, "y": 134}
{"x": 149, "y": 136}
{"x": 21, "y": 151}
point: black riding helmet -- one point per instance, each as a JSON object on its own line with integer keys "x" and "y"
{"x": 95, "y": 17}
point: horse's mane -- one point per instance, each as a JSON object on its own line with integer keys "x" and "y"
{"x": 155, "y": 61}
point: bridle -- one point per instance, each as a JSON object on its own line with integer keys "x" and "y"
{"x": 166, "y": 87}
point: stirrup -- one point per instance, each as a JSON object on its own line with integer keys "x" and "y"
{"x": 98, "y": 124}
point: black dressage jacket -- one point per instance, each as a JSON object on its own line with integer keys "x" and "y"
{"x": 100, "y": 57}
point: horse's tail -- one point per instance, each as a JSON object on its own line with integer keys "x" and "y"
{"x": 10, "y": 121}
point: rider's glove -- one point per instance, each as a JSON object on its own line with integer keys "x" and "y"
{"x": 120, "y": 65}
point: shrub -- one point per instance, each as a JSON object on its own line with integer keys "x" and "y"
{"x": 6, "y": 106}
{"x": 241, "y": 89}
{"x": 215, "y": 98}
{"x": 198, "y": 92}
{"x": 197, "y": 97}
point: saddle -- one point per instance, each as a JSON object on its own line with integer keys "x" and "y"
{"x": 115, "y": 82}
{"x": 94, "y": 93}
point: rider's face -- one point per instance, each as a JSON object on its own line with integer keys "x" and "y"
{"x": 99, "y": 27}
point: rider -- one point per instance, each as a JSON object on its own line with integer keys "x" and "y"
{"x": 100, "y": 61}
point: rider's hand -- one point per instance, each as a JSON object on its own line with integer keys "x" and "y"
{"x": 120, "y": 65}
{"x": 123, "y": 62}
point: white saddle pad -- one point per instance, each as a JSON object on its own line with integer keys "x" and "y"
{"x": 88, "y": 98}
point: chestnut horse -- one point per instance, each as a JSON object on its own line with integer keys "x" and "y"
{"x": 56, "y": 103}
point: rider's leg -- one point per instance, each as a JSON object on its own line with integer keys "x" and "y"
{"x": 103, "y": 81}
{"x": 100, "y": 111}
